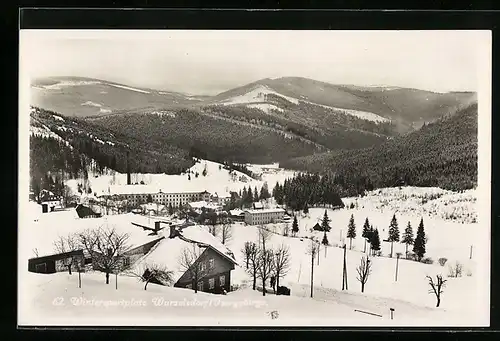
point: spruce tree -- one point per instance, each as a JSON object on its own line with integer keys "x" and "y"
{"x": 306, "y": 209}
{"x": 419, "y": 243}
{"x": 375, "y": 241}
{"x": 325, "y": 223}
{"x": 249, "y": 195}
{"x": 393, "y": 232}
{"x": 170, "y": 208}
{"x": 366, "y": 231}
{"x": 351, "y": 231}
{"x": 295, "y": 226}
{"x": 325, "y": 239}
{"x": 256, "y": 194}
{"x": 407, "y": 238}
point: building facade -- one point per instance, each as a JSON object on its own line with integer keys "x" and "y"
{"x": 215, "y": 273}
{"x": 264, "y": 216}
{"x": 175, "y": 199}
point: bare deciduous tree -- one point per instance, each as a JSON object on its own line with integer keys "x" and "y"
{"x": 436, "y": 287}
{"x": 252, "y": 252}
{"x": 65, "y": 244}
{"x": 107, "y": 248}
{"x": 265, "y": 257}
{"x": 281, "y": 262}
{"x": 226, "y": 231}
{"x": 364, "y": 270}
{"x": 312, "y": 250}
{"x": 152, "y": 272}
{"x": 266, "y": 262}
{"x": 286, "y": 230}
{"x": 247, "y": 251}
{"x": 189, "y": 261}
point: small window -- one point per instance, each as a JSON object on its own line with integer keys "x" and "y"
{"x": 41, "y": 267}
{"x": 211, "y": 283}
{"x": 222, "y": 280}
{"x": 203, "y": 266}
{"x": 200, "y": 285}
{"x": 211, "y": 263}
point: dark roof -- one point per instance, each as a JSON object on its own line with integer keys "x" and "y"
{"x": 58, "y": 255}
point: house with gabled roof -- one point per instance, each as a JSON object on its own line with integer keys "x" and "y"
{"x": 209, "y": 272}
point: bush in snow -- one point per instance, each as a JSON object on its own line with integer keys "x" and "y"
{"x": 442, "y": 261}
{"x": 455, "y": 270}
{"x": 469, "y": 273}
{"x": 427, "y": 260}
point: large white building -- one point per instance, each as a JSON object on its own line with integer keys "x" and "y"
{"x": 139, "y": 194}
{"x": 264, "y": 216}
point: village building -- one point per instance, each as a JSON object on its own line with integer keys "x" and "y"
{"x": 264, "y": 216}
{"x": 136, "y": 195}
{"x": 211, "y": 262}
{"x": 86, "y": 212}
{"x": 258, "y": 205}
{"x": 57, "y": 262}
{"x": 49, "y": 201}
{"x": 237, "y": 215}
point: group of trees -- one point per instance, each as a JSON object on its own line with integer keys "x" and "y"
{"x": 263, "y": 263}
{"x": 246, "y": 197}
{"x": 304, "y": 190}
{"x": 372, "y": 237}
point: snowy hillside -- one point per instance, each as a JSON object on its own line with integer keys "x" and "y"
{"x": 218, "y": 180}
{"x": 256, "y": 98}
{"x": 427, "y": 201}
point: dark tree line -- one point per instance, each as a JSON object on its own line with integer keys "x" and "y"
{"x": 306, "y": 190}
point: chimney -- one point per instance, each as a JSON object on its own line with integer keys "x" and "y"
{"x": 128, "y": 169}
{"x": 157, "y": 226}
{"x": 173, "y": 232}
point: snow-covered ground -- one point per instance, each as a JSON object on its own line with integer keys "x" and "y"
{"x": 217, "y": 180}
{"x": 266, "y": 107}
{"x": 464, "y": 301}
{"x": 257, "y": 95}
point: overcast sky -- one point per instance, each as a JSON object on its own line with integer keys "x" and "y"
{"x": 208, "y": 62}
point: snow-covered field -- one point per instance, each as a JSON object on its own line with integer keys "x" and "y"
{"x": 465, "y": 301}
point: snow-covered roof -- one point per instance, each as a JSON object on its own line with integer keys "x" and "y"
{"x": 153, "y": 207}
{"x": 200, "y": 204}
{"x": 150, "y": 189}
{"x": 43, "y": 229}
{"x": 236, "y": 212}
{"x": 266, "y": 210}
{"x": 169, "y": 250}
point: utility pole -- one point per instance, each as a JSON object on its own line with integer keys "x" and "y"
{"x": 312, "y": 269}
{"x": 344, "y": 271}
{"x": 318, "y": 251}
{"x": 397, "y": 261}
{"x": 470, "y": 256}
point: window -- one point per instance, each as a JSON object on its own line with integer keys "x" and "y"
{"x": 211, "y": 263}
{"x": 200, "y": 285}
{"x": 41, "y": 267}
{"x": 222, "y": 280}
{"x": 203, "y": 266}
{"x": 211, "y": 283}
